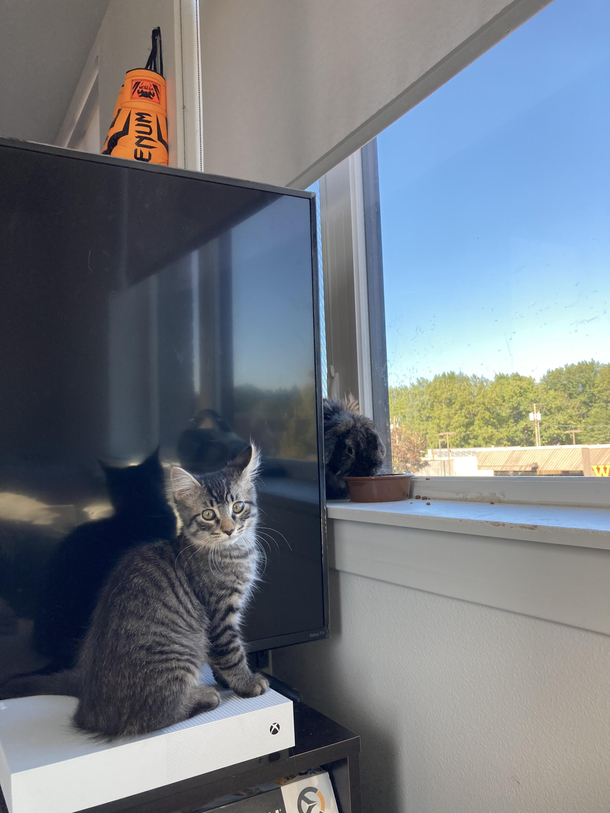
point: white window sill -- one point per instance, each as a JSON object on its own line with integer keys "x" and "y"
{"x": 550, "y": 562}
{"x": 552, "y": 524}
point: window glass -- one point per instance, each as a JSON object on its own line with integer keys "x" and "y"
{"x": 495, "y": 212}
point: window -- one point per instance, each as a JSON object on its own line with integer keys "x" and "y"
{"x": 493, "y": 208}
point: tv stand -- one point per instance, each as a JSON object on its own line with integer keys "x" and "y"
{"x": 319, "y": 742}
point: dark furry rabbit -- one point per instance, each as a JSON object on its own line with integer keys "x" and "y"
{"x": 352, "y": 446}
{"x": 82, "y": 562}
{"x": 168, "y": 608}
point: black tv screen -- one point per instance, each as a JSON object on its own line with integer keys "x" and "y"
{"x": 150, "y": 312}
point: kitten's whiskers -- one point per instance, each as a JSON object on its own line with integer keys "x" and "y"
{"x": 275, "y": 530}
{"x": 186, "y": 545}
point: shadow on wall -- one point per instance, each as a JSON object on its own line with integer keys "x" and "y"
{"x": 321, "y": 688}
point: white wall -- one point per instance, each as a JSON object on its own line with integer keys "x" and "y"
{"x": 91, "y": 139}
{"x": 461, "y": 708}
{"x": 292, "y": 88}
{"x": 43, "y": 47}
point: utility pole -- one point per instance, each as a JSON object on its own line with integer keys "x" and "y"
{"x": 446, "y": 436}
{"x": 536, "y": 417}
{"x": 573, "y": 432}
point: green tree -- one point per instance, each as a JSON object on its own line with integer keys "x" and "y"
{"x": 597, "y": 423}
{"x": 503, "y": 409}
{"x": 567, "y": 396}
{"x": 447, "y": 403}
{"x": 482, "y": 412}
{"x": 408, "y": 448}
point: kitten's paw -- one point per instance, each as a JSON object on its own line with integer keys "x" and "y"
{"x": 204, "y": 698}
{"x": 213, "y": 701}
{"x": 220, "y": 680}
{"x": 258, "y": 684}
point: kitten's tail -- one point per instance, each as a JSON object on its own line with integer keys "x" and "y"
{"x": 60, "y": 683}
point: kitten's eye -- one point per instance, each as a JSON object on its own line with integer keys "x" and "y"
{"x": 238, "y": 507}
{"x": 208, "y": 514}
{"x": 350, "y": 450}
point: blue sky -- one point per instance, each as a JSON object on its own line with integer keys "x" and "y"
{"x": 495, "y": 207}
{"x": 271, "y": 258}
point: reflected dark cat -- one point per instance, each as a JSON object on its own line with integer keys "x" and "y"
{"x": 209, "y": 444}
{"x": 81, "y": 564}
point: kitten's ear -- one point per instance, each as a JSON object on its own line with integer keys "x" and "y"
{"x": 183, "y": 484}
{"x": 247, "y": 463}
{"x": 152, "y": 459}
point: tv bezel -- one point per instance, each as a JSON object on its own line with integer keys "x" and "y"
{"x": 302, "y": 636}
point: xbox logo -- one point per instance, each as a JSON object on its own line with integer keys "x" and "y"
{"x": 274, "y": 728}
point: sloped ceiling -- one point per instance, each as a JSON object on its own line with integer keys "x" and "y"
{"x": 44, "y": 45}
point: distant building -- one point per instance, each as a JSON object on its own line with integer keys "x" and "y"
{"x": 459, "y": 463}
{"x": 519, "y": 461}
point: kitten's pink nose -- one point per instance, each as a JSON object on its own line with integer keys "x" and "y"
{"x": 228, "y": 531}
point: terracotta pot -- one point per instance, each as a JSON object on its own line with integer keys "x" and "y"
{"x": 380, "y": 488}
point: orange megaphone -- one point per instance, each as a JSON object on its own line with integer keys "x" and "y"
{"x": 139, "y": 123}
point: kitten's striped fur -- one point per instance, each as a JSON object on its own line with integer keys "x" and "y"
{"x": 168, "y": 608}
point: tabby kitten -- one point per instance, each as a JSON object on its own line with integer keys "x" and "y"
{"x": 168, "y": 608}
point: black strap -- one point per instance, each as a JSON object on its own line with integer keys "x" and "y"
{"x": 155, "y": 59}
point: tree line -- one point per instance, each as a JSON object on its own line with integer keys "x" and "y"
{"x": 495, "y": 412}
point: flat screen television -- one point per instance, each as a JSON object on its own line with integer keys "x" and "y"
{"x": 149, "y": 311}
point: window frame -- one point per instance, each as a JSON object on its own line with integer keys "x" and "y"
{"x": 356, "y": 340}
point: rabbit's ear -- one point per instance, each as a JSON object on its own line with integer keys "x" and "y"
{"x": 330, "y": 441}
{"x": 331, "y": 408}
{"x": 351, "y": 404}
{"x": 333, "y": 435}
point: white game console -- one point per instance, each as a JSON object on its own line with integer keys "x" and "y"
{"x": 48, "y": 767}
